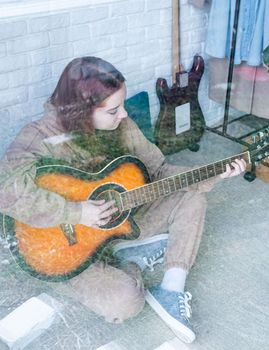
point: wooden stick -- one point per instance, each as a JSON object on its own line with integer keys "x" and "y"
{"x": 175, "y": 38}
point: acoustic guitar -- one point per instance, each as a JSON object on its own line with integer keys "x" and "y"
{"x": 58, "y": 253}
{"x": 180, "y": 122}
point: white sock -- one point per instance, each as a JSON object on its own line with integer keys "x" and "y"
{"x": 174, "y": 279}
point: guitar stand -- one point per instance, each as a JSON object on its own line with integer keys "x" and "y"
{"x": 251, "y": 120}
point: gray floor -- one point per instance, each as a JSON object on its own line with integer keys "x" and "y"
{"x": 229, "y": 281}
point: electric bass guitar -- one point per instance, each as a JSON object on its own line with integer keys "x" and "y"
{"x": 58, "y": 253}
{"x": 180, "y": 122}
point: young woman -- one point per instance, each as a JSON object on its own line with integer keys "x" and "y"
{"x": 86, "y": 126}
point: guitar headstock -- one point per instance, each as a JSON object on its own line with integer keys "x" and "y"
{"x": 259, "y": 146}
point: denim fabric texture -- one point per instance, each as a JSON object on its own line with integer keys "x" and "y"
{"x": 252, "y": 32}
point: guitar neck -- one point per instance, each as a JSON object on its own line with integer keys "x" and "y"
{"x": 164, "y": 187}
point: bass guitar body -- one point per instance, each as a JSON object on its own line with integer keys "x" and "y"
{"x": 58, "y": 253}
{"x": 172, "y": 134}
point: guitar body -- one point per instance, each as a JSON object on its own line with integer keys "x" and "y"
{"x": 184, "y": 92}
{"x": 49, "y": 253}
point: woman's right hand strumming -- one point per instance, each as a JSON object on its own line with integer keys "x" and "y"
{"x": 97, "y": 213}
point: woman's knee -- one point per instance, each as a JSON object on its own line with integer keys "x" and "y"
{"x": 124, "y": 303}
{"x": 200, "y": 197}
{"x": 196, "y": 199}
{"x": 110, "y": 292}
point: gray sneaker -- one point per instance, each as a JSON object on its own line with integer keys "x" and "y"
{"x": 174, "y": 309}
{"x": 145, "y": 253}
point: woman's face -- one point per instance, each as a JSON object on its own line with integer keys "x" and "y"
{"x": 111, "y": 112}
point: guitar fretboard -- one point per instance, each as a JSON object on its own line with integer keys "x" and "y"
{"x": 164, "y": 187}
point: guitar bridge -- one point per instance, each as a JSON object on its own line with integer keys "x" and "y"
{"x": 70, "y": 233}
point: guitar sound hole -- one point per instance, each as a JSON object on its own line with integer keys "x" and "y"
{"x": 109, "y": 195}
{"x": 108, "y": 192}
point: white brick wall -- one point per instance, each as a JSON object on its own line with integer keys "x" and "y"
{"x": 134, "y": 35}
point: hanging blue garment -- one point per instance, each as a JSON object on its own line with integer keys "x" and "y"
{"x": 252, "y": 31}
{"x": 266, "y": 25}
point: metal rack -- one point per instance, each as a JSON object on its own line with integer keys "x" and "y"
{"x": 257, "y": 123}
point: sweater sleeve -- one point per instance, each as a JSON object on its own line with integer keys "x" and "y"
{"x": 154, "y": 159}
{"x": 20, "y": 197}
